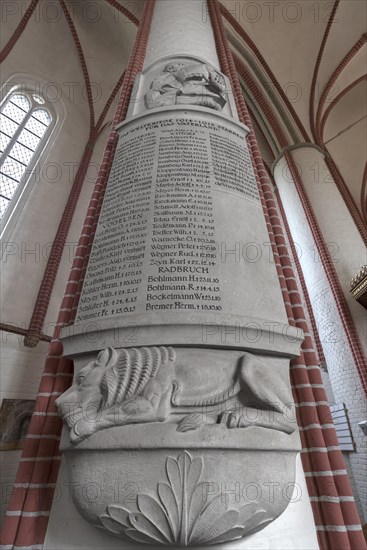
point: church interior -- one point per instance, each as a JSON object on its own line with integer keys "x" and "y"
{"x": 69, "y": 70}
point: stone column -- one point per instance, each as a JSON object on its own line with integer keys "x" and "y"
{"x": 348, "y": 252}
{"x": 181, "y": 344}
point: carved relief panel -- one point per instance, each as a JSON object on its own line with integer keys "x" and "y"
{"x": 182, "y": 81}
{"x": 144, "y": 408}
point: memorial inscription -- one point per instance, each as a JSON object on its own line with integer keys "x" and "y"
{"x": 179, "y": 255}
{"x": 157, "y": 242}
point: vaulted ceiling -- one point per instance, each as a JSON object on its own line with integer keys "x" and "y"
{"x": 317, "y": 54}
{"x": 308, "y": 59}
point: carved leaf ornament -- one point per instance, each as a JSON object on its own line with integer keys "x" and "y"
{"x": 181, "y": 514}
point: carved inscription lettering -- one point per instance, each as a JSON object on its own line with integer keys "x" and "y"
{"x": 156, "y": 246}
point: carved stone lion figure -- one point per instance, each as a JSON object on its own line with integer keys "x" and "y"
{"x": 148, "y": 384}
{"x": 187, "y": 84}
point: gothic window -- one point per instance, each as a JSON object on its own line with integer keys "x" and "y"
{"x": 25, "y": 124}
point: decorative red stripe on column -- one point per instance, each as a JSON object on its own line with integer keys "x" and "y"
{"x": 263, "y": 103}
{"x": 301, "y": 278}
{"x": 262, "y": 134}
{"x": 106, "y": 108}
{"x": 48, "y": 280}
{"x": 137, "y": 60}
{"x": 49, "y": 276}
{"x": 323, "y": 250}
{"x": 320, "y": 353}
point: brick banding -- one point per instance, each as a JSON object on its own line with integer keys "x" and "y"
{"x": 123, "y": 10}
{"x": 336, "y": 100}
{"x": 324, "y": 253}
{"x": 248, "y": 40}
{"x": 83, "y": 63}
{"x": 364, "y": 193}
{"x": 12, "y": 329}
{"x": 317, "y": 66}
{"x": 344, "y": 62}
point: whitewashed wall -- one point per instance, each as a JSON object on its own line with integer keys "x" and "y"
{"x": 344, "y": 378}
